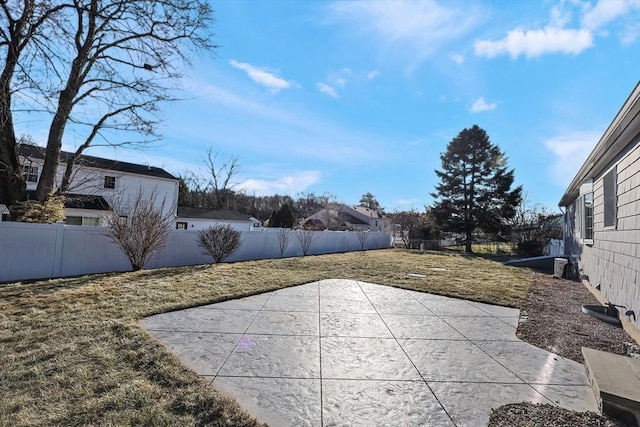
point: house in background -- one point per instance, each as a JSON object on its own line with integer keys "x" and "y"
{"x": 98, "y": 184}
{"x": 602, "y": 215}
{"x": 199, "y": 218}
{"x": 351, "y": 218}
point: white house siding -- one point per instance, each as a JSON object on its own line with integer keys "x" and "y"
{"x": 90, "y": 181}
{"x": 613, "y": 260}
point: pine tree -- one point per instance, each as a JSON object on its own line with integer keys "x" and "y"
{"x": 285, "y": 216}
{"x": 273, "y": 220}
{"x": 475, "y": 187}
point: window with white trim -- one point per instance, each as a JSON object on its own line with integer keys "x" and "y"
{"x": 109, "y": 182}
{"x": 82, "y": 220}
{"x": 30, "y": 173}
{"x": 587, "y": 211}
{"x": 181, "y": 225}
{"x": 610, "y": 188}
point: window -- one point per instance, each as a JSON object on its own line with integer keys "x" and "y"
{"x": 181, "y": 225}
{"x": 94, "y": 221}
{"x": 110, "y": 182}
{"x": 73, "y": 220}
{"x": 82, "y": 220}
{"x": 30, "y": 173}
{"x": 6, "y": 217}
{"x": 610, "y": 199}
{"x": 587, "y": 232}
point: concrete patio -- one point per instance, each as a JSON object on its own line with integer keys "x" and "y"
{"x": 341, "y": 352}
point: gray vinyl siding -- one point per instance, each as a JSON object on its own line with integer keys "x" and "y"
{"x": 613, "y": 260}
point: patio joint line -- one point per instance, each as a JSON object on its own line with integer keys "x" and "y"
{"x": 407, "y": 356}
{"x": 320, "y": 356}
{"x": 242, "y": 336}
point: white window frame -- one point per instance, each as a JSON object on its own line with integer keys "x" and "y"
{"x": 115, "y": 182}
{"x": 587, "y": 218}
{"x": 31, "y": 171}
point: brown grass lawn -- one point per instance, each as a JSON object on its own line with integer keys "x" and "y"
{"x": 71, "y": 351}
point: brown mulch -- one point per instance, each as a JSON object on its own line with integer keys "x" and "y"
{"x": 552, "y": 319}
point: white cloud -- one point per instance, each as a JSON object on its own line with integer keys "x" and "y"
{"x": 407, "y": 27}
{"x": 327, "y": 90}
{"x": 406, "y": 202}
{"x": 630, "y": 33}
{"x": 480, "y": 105}
{"x": 558, "y": 37}
{"x": 372, "y": 75}
{"x": 533, "y": 43}
{"x": 456, "y": 57}
{"x": 569, "y": 153}
{"x": 229, "y": 99}
{"x": 263, "y": 76}
{"x": 606, "y": 11}
{"x": 291, "y": 185}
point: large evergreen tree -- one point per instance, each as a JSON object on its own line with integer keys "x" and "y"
{"x": 475, "y": 187}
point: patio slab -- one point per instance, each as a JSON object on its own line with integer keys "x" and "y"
{"x": 342, "y": 352}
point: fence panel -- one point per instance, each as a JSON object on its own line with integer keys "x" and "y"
{"x": 38, "y": 251}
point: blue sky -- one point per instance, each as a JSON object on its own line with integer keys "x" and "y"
{"x": 351, "y": 97}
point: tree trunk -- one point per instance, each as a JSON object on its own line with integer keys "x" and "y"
{"x": 13, "y": 187}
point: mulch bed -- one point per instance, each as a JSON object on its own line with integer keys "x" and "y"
{"x": 552, "y": 319}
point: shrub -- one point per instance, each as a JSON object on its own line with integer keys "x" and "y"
{"x": 48, "y": 212}
{"x": 219, "y": 241}
{"x": 139, "y": 227}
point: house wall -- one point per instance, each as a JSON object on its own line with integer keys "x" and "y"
{"x": 613, "y": 258}
{"x": 90, "y": 181}
{"x": 37, "y": 251}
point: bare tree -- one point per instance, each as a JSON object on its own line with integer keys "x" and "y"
{"x": 102, "y": 68}
{"x": 139, "y": 226}
{"x": 307, "y": 238}
{"x": 362, "y": 238}
{"x": 222, "y": 170}
{"x": 283, "y": 239}
{"x": 331, "y": 216}
{"x": 219, "y": 241}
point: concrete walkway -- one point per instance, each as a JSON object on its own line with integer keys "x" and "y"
{"x": 341, "y": 352}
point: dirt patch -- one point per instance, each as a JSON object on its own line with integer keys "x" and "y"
{"x": 552, "y": 319}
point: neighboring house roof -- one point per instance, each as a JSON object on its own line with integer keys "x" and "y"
{"x": 78, "y": 201}
{"x": 202, "y": 213}
{"x": 81, "y": 201}
{"x": 371, "y": 213}
{"x": 347, "y": 218}
{"x": 622, "y": 131}
{"x": 35, "y": 152}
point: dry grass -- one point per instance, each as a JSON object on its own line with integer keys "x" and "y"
{"x": 71, "y": 351}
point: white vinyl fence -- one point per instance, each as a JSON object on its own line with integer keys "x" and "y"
{"x": 39, "y": 251}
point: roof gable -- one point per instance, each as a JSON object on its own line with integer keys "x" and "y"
{"x": 35, "y": 152}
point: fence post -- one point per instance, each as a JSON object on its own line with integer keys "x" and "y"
{"x": 57, "y": 252}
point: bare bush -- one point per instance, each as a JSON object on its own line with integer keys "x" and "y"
{"x": 362, "y": 238}
{"x": 307, "y": 238}
{"x": 283, "y": 240}
{"x": 219, "y": 241}
{"x": 139, "y": 227}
